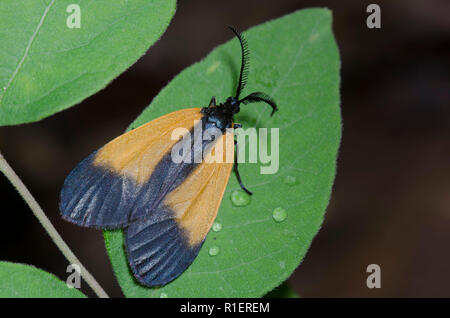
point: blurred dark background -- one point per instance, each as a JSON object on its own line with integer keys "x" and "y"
{"x": 391, "y": 200}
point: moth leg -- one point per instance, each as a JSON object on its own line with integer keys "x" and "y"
{"x": 212, "y": 102}
{"x": 235, "y": 167}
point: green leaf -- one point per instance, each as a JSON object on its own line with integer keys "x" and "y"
{"x": 294, "y": 59}
{"x": 26, "y": 281}
{"x": 46, "y": 67}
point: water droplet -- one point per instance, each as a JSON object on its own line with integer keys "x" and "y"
{"x": 163, "y": 295}
{"x": 290, "y": 180}
{"x": 279, "y": 214}
{"x": 213, "y": 251}
{"x": 216, "y": 227}
{"x": 240, "y": 198}
{"x": 282, "y": 264}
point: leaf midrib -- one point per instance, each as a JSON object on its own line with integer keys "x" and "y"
{"x": 27, "y": 49}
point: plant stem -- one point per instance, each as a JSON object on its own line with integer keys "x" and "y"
{"x": 45, "y": 222}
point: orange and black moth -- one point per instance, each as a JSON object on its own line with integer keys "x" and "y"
{"x": 166, "y": 208}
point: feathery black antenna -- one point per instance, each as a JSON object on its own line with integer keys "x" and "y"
{"x": 260, "y": 97}
{"x": 244, "y": 64}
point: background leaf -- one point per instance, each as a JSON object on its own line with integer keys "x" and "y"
{"x": 295, "y": 60}
{"x": 26, "y": 281}
{"x": 46, "y": 67}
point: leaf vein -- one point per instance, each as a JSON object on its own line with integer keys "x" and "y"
{"x": 27, "y": 49}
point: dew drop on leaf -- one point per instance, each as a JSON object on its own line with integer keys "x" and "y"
{"x": 240, "y": 198}
{"x": 216, "y": 227}
{"x": 279, "y": 214}
{"x": 290, "y": 180}
{"x": 213, "y": 251}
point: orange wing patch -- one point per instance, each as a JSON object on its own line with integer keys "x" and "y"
{"x": 197, "y": 200}
{"x": 136, "y": 153}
